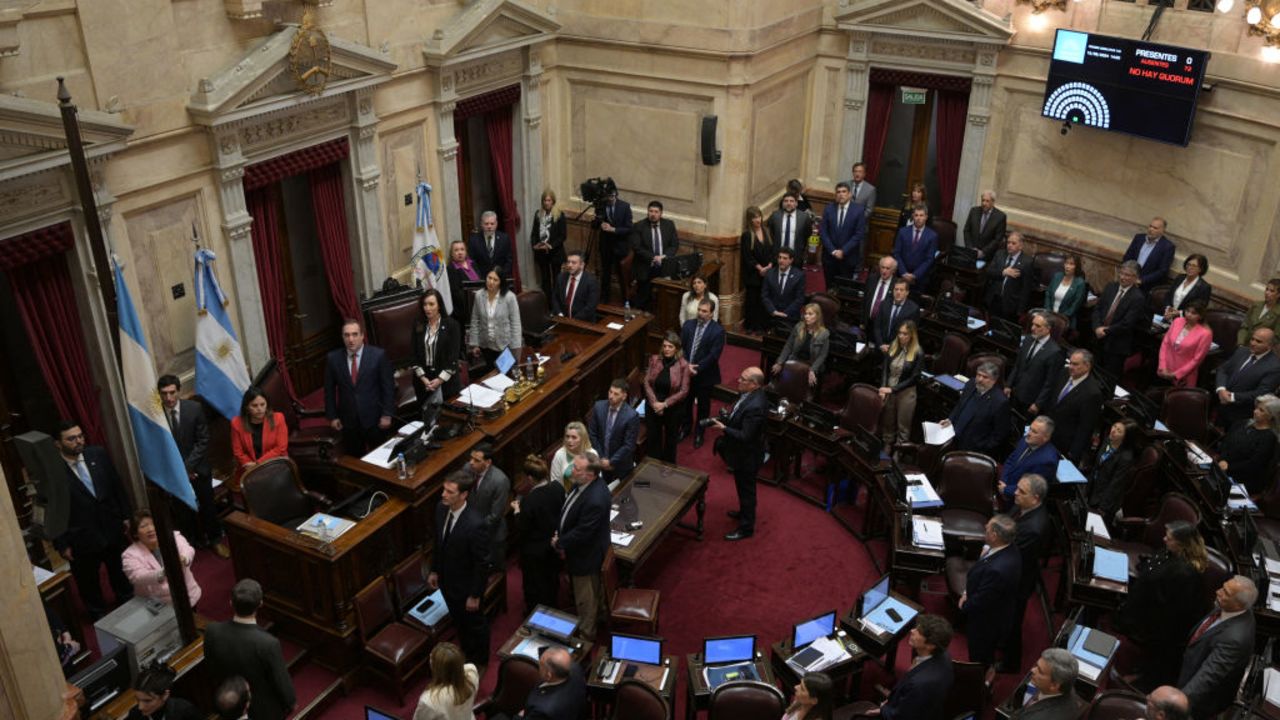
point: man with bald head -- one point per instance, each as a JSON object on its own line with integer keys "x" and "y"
{"x": 1252, "y": 371}
{"x": 985, "y": 227}
{"x": 1219, "y": 649}
{"x": 563, "y": 691}
{"x": 742, "y": 447}
{"x": 1167, "y": 703}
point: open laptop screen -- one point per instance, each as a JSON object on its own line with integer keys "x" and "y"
{"x": 810, "y": 630}
{"x": 738, "y": 648}
{"x": 872, "y": 598}
{"x": 636, "y": 649}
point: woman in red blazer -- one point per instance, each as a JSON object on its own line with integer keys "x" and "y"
{"x": 257, "y": 434}
{"x": 1185, "y": 346}
{"x": 665, "y": 386}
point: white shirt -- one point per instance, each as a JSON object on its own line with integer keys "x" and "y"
{"x": 1059, "y": 295}
{"x": 1181, "y": 291}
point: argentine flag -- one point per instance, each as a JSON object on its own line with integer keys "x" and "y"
{"x": 157, "y": 450}
{"x": 430, "y": 262}
{"x": 221, "y": 374}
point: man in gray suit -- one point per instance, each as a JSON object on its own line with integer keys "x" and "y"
{"x": 239, "y": 647}
{"x": 985, "y": 228}
{"x": 1220, "y": 649}
{"x": 790, "y": 227}
{"x": 1054, "y": 677}
{"x": 1251, "y": 372}
{"x": 490, "y": 497}
{"x": 862, "y": 192}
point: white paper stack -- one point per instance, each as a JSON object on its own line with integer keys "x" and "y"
{"x": 499, "y": 382}
{"x": 937, "y": 434}
{"x": 1271, "y": 686}
{"x": 1094, "y": 524}
{"x": 477, "y": 395}
{"x": 926, "y": 532}
{"x": 381, "y": 455}
{"x": 832, "y": 653}
{"x": 1197, "y": 456}
{"x": 621, "y": 539}
{"x": 1238, "y": 498}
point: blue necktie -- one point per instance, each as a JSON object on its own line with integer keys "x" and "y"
{"x": 83, "y": 472}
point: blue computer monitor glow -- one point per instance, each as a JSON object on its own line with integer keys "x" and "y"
{"x": 552, "y": 624}
{"x": 505, "y": 361}
{"x": 636, "y": 649}
{"x": 372, "y": 713}
{"x": 739, "y": 648}
{"x": 810, "y": 630}
{"x": 872, "y": 598}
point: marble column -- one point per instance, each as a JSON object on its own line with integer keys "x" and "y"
{"x": 446, "y": 103}
{"x": 857, "y": 86}
{"x": 236, "y": 222}
{"x": 368, "y": 244}
{"x": 531, "y": 144}
{"x": 975, "y": 137}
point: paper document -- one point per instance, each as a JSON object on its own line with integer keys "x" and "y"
{"x": 325, "y": 528}
{"x": 1198, "y": 456}
{"x": 980, "y": 264}
{"x": 1161, "y": 426}
{"x": 926, "y": 532}
{"x": 858, "y": 347}
{"x": 1089, "y": 672}
{"x": 409, "y": 428}
{"x": 499, "y": 382}
{"x": 477, "y": 395}
{"x": 542, "y": 359}
{"x": 431, "y": 609}
{"x": 1238, "y": 498}
{"x": 1272, "y": 564}
{"x": 615, "y": 326}
{"x": 832, "y": 653}
{"x": 920, "y": 492}
{"x": 1121, "y": 393}
{"x": 621, "y": 539}
{"x": 937, "y": 434}
{"x": 1068, "y": 473}
{"x": 1271, "y": 686}
{"x": 613, "y": 513}
{"x": 976, "y": 323}
{"x": 1094, "y": 524}
{"x": 1110, "y": 565}
{"x": 1158, "y": 319}
{"x": 41, "y": 574}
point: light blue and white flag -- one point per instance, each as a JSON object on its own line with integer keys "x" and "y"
{"x": 221, "y": 375}
{"x": 429, "y": 259}
{"x": 157, "y": 450}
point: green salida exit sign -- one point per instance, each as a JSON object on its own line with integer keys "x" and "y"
{"x": 914, "y": 96}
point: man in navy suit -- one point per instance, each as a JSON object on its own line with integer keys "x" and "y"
{"x": 915, "y": 248}
{"x": 892, "y": 314}
{"x": 613, "y": 427}
{"x": 783, "y": 288}
{"x": 191, "y": 432}
{"x": 490, "y": 247}
{"x": 1031, "y": 539}
{"x": 922, "y": 692}
{"x": 981, "y": 417}
{"x": 1009, "y": 279}
{"x": 615, "y": 241}
{"x": 1038, "y": 362}
{"x": 1154, "y": 254}
{"x": 359, "y": 393}
{"x": 563, "y": 690}
{"x": 459, "y": 566}
{"x": 1075, "y": 404}
{"x": 577, "y": 292}
{"x": 743, "y": 447}
{"x": 1033, "y": 454}
{"x": 704, "y": 338}
{"x": 98, "y": 513}
{"x": 1121, "y": 313}
{"x": 843, "y": 228}
{"x": 1220, "y": 649}
{"x": 991, "y": 591}
{"x": 653, "y": 240}
{"x": 1251, "y": 372}
{"x": 583, "y": 540}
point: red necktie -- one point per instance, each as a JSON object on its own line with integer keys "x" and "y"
{"x": 355, "y": 370}
{"x": 1204, "y": 626}
{"x": 573, "y": 286}
{"x": 916, "y": 242}
{"x": 875, "y": 306}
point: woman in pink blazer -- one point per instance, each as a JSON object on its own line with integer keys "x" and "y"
{"x": 142, "y": 565}
{"x": 665, "y": 386}
{"x": 1185, "y": 346}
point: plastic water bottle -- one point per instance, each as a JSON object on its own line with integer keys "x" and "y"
{"x": 626, "y": 311}
{"x": 402, "y": 470}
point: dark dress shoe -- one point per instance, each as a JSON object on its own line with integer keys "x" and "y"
{"x": 738, "y": 535}
{"x": 734, "y": 514}
{"x": 697, "y": 441}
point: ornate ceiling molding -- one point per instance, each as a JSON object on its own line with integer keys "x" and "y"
{"x": 487, "y": 27}
{"x": 953, "y": 20}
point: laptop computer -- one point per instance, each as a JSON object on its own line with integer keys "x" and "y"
{"x": 636, "y": 649}
{"x": 552, "y": 623}
{"x": 878, "y": 607}
{"x": 728, "y": 659}
{"x": 373, "y": 713}
{"x": 806, "y": 658}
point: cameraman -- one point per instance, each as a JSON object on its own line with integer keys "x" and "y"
{"x": 614, "y": 221}
{"x": 743, "y": 446}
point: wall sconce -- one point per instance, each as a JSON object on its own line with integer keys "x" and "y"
{"x": 1263, "y": 17}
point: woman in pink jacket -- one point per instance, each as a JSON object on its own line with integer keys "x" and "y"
{"x": 665, "y": 386}
{"x": 142, "y": 563}
{"x": 1184, "y": 346}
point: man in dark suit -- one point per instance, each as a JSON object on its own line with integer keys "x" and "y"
{"x": 583, "y": 541}
{"x": 490, "y": 247}
{"x": 359, "y": 393}
{"x": 613, "y": 427}
{"x": 460, "y": 565}
{"x": 922, "y": 692}
{"x": 238, "y": 647}
{"x": 1251, "y": 372}
{"x": 991, "y": 591}
{"x": 1075, "y": 404}
{"x": 1033, "y": 454}
{"x": 1154, "y": 254}
{"x": 1031, "y": 539}
{"x": 563, "y": 691}
{"x": 1054, "y": 677}
{"x": 1121, "y": 313}
{"x": 861, "y": 192}
{"x": 1009, "y": 279}
{"x": 893, "y": 314}
{"x": 843, "y": 229}
{"x": 577, "y": 292}
{"x": 704, "y": 338}
{"x": 187, "y": 423}
{"x": 915, "y": 248}
{"x": 782, "y": 290}
{"x": 790, "y": 227}
{"x": 743, "y": 447}
{"x": 1220, "y": 649}
{"x": 491, "y": 497}
{"x": 653, "y": 240}
{"x": 1038, "y": 362}
{"x": 981, "y": 417}
{"x": 879, "y": 291}
{"x": 984, "y": 229}
{"x": 615, "y": 242}
{"x": 98, "y": 513}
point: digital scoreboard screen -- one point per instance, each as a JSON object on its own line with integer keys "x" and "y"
{"x": 1128, "y": 86}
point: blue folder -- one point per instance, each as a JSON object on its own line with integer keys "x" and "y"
{"x": 1068, "y": 472}
{"x": 919, "y": 497}
{"x": 1076, "y": 645}
{"x": 1110, "y": 565}
{"x": 950, "y": 382}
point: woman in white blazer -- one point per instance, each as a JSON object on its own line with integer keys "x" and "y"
{"x": 495, "y": 319}
{"x": 451, "y": 693}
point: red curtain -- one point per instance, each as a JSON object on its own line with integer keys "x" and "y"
{"x": 497, "y": 125}
{"x": 331, "y": 227}
{"x": 270, "y": 172}
{"x": 264, "y": 204}
{"x": 36, "y": 264}
{"x": 953, "y": 111}
{"x": 879, "y": 105}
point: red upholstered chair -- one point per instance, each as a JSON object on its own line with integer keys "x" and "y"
{"x": 517, "y": 675}
{"x": 626, "y": 277}
{"x": 1219, "y": 570}
{"x": 1268, "y": 522}
{"x": 392, "y": 648}
{"x": 950, "y": 359}
{"x": 1225, "y": 325}
{"x": 629, "y": 605}
{"x": 793, "y": 382}
{"x": 746, "y": 700}
{"x": 967, "y": 486}
{"x": 1046, "y": 265}
{"x": 1186, "y": 413}
{"x": 1140, "y": 498}
{"x": 637, "y": 700}
{"x": 388, "y": 321}
{"x": 862, "y": 409}
{"x": 1145, "y": 536}
{"x": 1158, "y": 299}
{"x": 1116, "y": 705}
{"x": 946, "y": 230}
{"x": 272, "y": 491}
{"x": 410, "y": 580}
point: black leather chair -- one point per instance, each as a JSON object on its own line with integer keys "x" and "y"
{"x": 535, "y": 316}
{"x": 967, "y": 486}
{"x": 517, "y": 675}
{"x": 746, "y": 700}
{"x": 637, "y": 700}
{"x": 388, "y": 321}
{"x": 272, "y": 491}
{"x": 950, "y": 359}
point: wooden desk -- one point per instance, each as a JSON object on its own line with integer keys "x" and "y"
{"x": 580, "y": 651}
{"x": 908, "y": 561}
{"x": 880, "y": 644}
{"x": 602, "y": 692}
{"x": 1084, "y": 589}
{"x": 698, "y": 693}
{"x": 845, "y": 675}
{"x": 671, "y": 492}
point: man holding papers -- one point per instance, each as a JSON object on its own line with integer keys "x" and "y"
{"x": 981, "y": 418}
{"x": 1033, "y": 454}
{"x": 1032, "y": 520}
{"x": 991, "y": 591}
